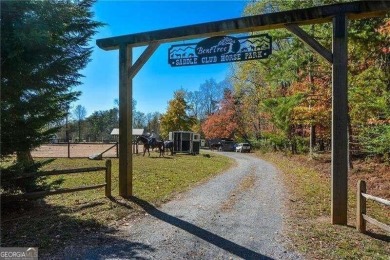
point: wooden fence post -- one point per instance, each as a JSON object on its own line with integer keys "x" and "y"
{"x": 117, "y": 149}
{"x": 361, "y": 207}
{"x": 108, "y": 178}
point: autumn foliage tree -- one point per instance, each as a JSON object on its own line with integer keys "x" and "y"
{"x": 223, "y": 123}
{"x": 369, "y": 90}
{"x": 265, "y": 87}
{"x": 176, "y": 117}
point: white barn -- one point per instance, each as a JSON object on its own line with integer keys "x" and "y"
{"x": 136, "y": 132}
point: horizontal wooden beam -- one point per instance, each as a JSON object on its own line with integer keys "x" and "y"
{"x": 311, "y": 42}
{"x": 376, "y": 223}
{"x": 313, "y": 15}
{"x": 143, "y": 58}
{"x": 377, "y": 199}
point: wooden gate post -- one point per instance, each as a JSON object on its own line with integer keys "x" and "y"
{"x": 68, "y": 148}
{"x": 360, "y": 206}
{"x": 127, "y": 71}
{"x": 125, "y": 122}
{"x": 339, "y": 122}
{"x": 108, "y": 178}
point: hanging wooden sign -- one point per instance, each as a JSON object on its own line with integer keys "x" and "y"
{"x": 220, "y": 49}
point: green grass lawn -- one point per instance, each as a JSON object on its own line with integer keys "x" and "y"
{"x": 54, "y": 220}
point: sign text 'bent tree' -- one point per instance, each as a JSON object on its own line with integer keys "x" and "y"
{"x": 220, "y": 49}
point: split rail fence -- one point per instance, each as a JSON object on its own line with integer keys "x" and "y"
{"x": 362, "y": 218}
{"x": 39, "y": 194}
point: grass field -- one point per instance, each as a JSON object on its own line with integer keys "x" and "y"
{"x": 309, "y": 201}
{"x": 54, "y": 221}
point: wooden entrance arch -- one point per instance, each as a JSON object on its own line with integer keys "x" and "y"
{"x": 338, "y": 14}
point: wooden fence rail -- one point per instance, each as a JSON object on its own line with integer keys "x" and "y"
{"x": 39, "y": 194}
{"x": 57, "y": 172}
{"x": 362, "y": 218}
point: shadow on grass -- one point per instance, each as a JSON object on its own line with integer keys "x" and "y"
{"x": 17, "y": 178}
{"x": 383, "y": 237}
{"x": 378, "y": 236}
{"x": 120, "y": 203}
{"x": 156, "y": 157}
{"x": 60, "y": 233}
{"x": 207, "y": 236}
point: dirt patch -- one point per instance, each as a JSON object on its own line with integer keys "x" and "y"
{"x": 308, "y": 182}
{"x": 246, "y": 183}
{"x": 376, "y": 174}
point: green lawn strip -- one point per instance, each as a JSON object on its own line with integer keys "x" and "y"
{"x": 53, "y": 221}
{"x": 309, "y": 221}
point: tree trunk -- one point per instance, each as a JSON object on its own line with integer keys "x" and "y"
{"x": 291, "y": 139}
{"x": 294, "y": 149}
{"x": 79, "y": 131}
{"x": 350, "y": 143}
{"x": 25, "y": 158}
{"x": 322, "y": 145}
{"x": 312, "y": 138}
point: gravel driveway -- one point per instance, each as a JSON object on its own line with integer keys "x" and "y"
{"x": 236, "y": 215}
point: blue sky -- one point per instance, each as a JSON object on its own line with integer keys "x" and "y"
{"x": 154, "y": 85}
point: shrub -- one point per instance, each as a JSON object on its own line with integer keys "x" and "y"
{"x": 375, "y": 140}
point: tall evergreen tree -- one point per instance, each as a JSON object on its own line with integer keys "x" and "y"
{"x": 44, "y": 45}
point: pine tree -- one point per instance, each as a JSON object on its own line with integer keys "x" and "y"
{"x": 44, "y": 45}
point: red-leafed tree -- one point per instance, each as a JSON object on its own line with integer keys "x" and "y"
{"x": 223, "y": 123}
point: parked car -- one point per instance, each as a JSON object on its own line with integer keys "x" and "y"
{"x": 227, "y": 146}
{"x": 243, "y": 148}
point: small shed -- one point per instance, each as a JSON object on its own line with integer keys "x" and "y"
{"x": 115, "y": 134}
{"x": 135, "y": 133}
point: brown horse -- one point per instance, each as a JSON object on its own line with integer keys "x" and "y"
{"x": 151, "y": 143}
